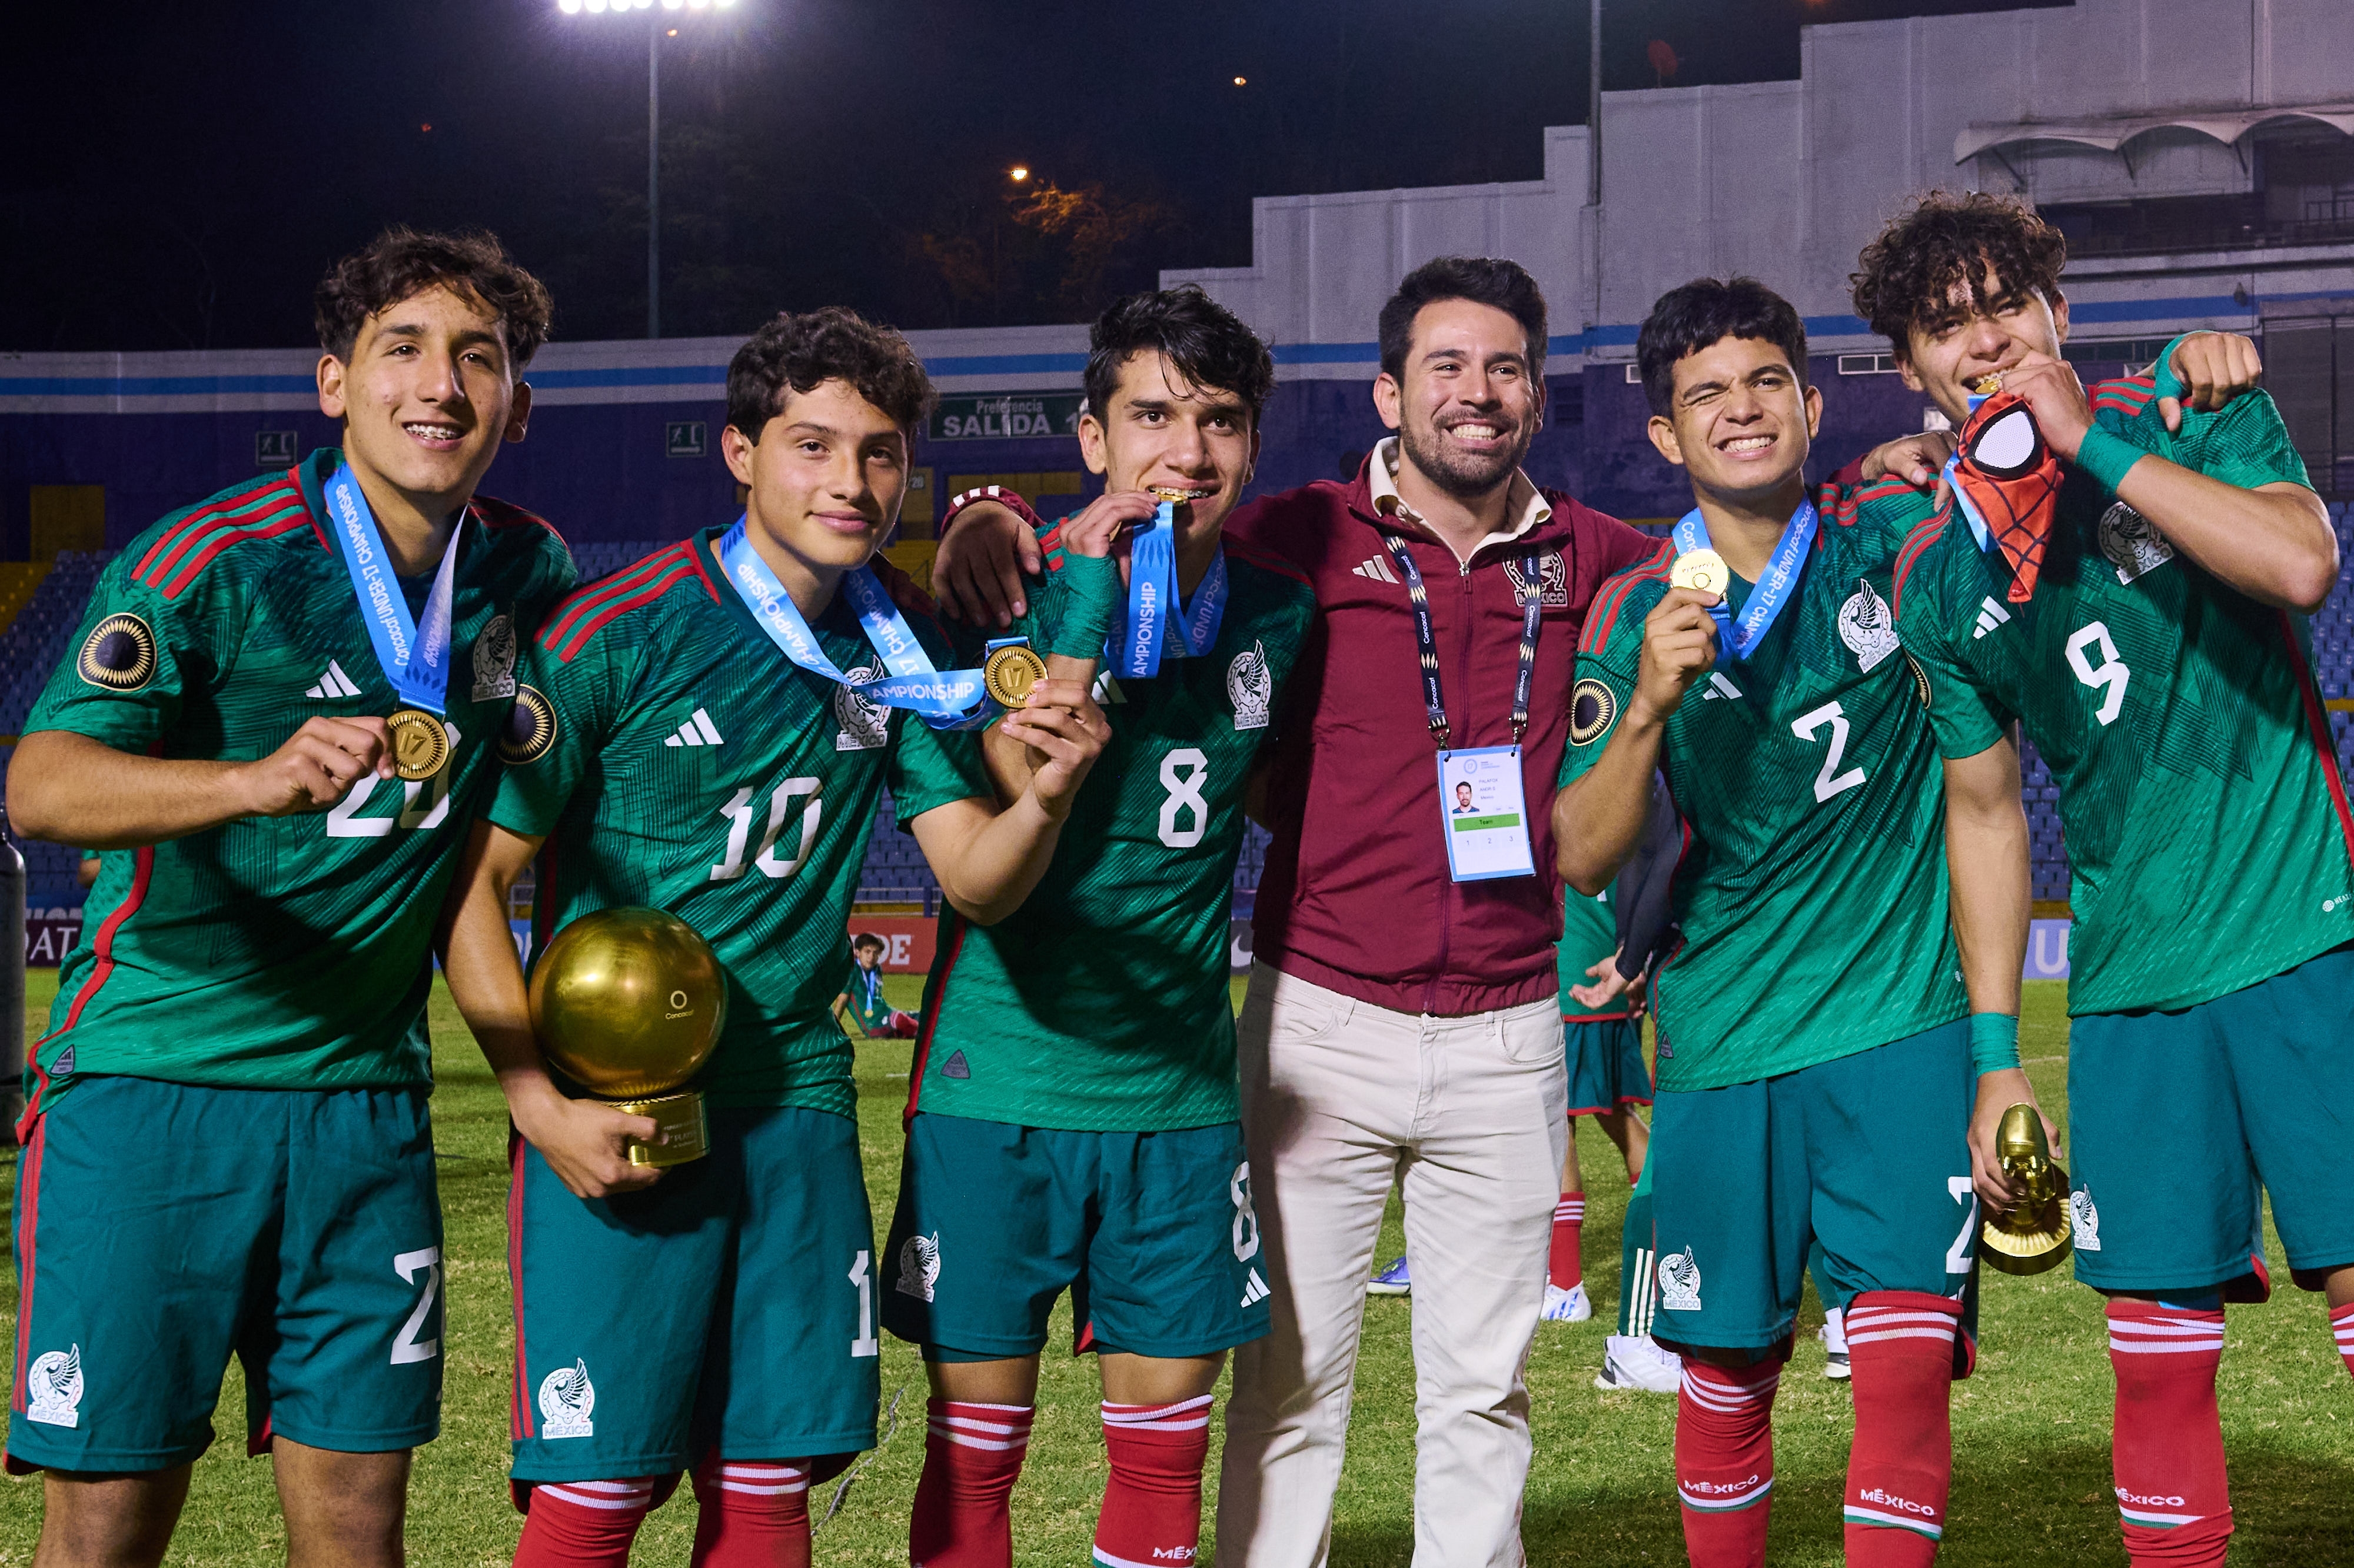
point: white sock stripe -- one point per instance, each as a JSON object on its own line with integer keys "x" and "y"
{"x": 2165, "y": 1520}
{"x": 2126, "y": 1348}
{"x": 974, "y": 1423}
{"x": 636, "y": 1501}
{"x": 643, "y": 1488}
{"x": 1899, "y": 1315}
{"x": 1944, "y": 1335}
{"x": 787, "y": 1489}
{"x": 1125, "y": 1413}
{"x": 1863, "y": 1515}
{"x": 1722, "y": 1502}
{"x": 2167, "y": 1324}
{"x": 1109, "y": 1560}
{"x": 1023, "y": 1411}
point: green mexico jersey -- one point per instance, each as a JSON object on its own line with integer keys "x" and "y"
{"x": 1812, "y": 894}
{"x": 1102, "y": 1004}
{"x": 2198, "y": 790}
{"x": 1589, "y": 934}
{"x": 277, "y": 952}
{"x": 864, "y": 987}
{"x": 675, "y": 759}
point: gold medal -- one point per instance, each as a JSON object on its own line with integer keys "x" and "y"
{"x": 1703, "y": 571}
{"x": 420, "y": 744}
{"x": 1009, "y": 674}
{"x": 1987, "y": 386}
{"x": 1167, "y": 494}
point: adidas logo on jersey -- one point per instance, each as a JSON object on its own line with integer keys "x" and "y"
{"x": 1717, "y": 687}
{"x": 1990, "y": 615}
{"x": 1377, "y": 569}
{"x": 334, "y": 684}
{"x": 696, "y": 731}
{"x": 1255, "y": 1289}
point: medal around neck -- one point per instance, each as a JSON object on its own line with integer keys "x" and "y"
{"x": 1701, "y": 570}
{"x": 1742, "y": 634}
{"x": 413, "y": 653}
{"x": 628, "y": 1003}
{"x": 1134, "y": 649}
{"x": 420, "y": 744}
{"x": 1010, "y": 671}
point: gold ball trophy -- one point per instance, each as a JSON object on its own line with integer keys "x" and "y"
{"x": 2033, "y": 1236}
{"x": 628, "y": 1004}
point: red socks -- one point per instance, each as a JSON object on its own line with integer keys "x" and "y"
{"x": 1900, "y": 1346}
{"x": 2168, "y": 1454}
{"x": 1565, "y": 1268}
{"x": 754, "y": 1515}
{"x": 1152, "y": 1504}
{"x": 2341, "y": 1323}
{"x": 1724, "y": 1461}
{"x": 971, "y": 1458}
{"x": 584, "y": 1524}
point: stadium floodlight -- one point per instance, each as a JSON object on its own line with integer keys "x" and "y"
{"x": 655, "y": 31}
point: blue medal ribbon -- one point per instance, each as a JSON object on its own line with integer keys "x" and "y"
{"x": 1774, "y": 584}
{"x": 1134, "y": 648}
{"x": 414, "y": 654}
{"x": 953, "y": 699}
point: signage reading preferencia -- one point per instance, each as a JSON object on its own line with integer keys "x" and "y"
{"x": 997, "y": 418}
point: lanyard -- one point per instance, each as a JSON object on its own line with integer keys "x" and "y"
{"x": 414, "y": 658}
{"x": 1133, "y": 649}
{"x": 1530, "y": 589}
{"x": 953, "y": 700}
{"x": 872, "y": 980}
{"x": 1774, "y": 586}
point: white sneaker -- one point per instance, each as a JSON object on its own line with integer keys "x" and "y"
{"x": 1568, "y": 1305}
{"x": 1834, "y": 1349}
{"x": 1640, "y": 1364}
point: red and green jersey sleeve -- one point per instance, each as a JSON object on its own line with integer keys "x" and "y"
{"x": 1102, "y": 1004}
{"x": 677, "y": 760}
{"x": 287, "y": 952}
{"x": 2201, "y": 797}
{"x": 1812, "y": 893}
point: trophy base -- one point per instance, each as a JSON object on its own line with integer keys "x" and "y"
{"x": 685, "y": 1135}
{"x": 2044, "y": 1245}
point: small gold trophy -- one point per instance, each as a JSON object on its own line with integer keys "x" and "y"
{"x": 628, "y": 1004}
{"x": 2033, "y": 1236}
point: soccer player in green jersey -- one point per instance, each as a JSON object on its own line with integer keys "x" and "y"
{"x": 1073, "y": 1117}
{"x": 227, "y": 1146}
{"x": 1834, "y": 1103}
{"x": 862, "y": 994}
{"x": 669, "y": 753}
{"x": 2159, "y": 660}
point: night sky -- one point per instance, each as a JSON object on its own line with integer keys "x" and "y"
{"x": 178, "y": 176}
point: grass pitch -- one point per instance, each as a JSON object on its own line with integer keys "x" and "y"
{"x": 2030, "y": 1430}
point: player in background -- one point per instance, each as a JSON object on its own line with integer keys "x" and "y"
{"x": 2159, "y": 656}
{"x": 1836, "y": 1105}
{"x": 1073, "y": 1119}
{"x": 752, "y": 1361}
{"x": 861, "y": 995}
{"x": 238, "y": 1053}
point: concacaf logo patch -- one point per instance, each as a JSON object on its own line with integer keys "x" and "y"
{"x": 118, "y": 655}
{"x": 1592, "y": 709}
{"x": 530, "y": 727}
{"x": 566, "y": 1399}
{"x": 1920, "y": 679}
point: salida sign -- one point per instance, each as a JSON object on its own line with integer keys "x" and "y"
{"x": 1000, "y": 419}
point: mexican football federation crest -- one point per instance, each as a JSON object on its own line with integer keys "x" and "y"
{"x": 1552, "y": 584}
{"x": 1251, "y": 685}
{"x": 865, "y": 724}
{"x": 2083, "y": 1221}
{"x": 565, "y": 1399}
{"x": 494, "y": 660}
{"x": 1679, "y": 1282}
{"x": 2132, "y": 546}
{"x": 1867, "y": 627}
{"x": 53, "y": 1388}
{"x": 919, "y": 1266}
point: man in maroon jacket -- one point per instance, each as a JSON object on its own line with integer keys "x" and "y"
{"x": 1401, "y": 1022}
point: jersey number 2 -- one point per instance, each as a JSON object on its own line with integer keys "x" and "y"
{"x": 1831, "y": 780}
{"x": 405, "y": 1346}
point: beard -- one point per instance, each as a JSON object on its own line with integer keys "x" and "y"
{"x": 1463, "y": 475}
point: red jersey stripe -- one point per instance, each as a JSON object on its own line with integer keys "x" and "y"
{"x": 583, "y": 601}
{"x": 27, "y": 1239}
{"x": 184, "y": 540}
{"x": 940, "y": 1000}
{"x": 613, "y": 610}
{"x": 217, "y": 543}
{"x": 272, "y": 494}
{"x": 2316, "y": 724}
{"x": 1925, "y": 533}
{"x": 142, "y": 861}
{"x": 1604, "y": 614}
{"x": 518, "y": 1392}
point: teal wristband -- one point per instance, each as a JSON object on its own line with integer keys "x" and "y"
{"x": 1994, "y": 1042}
{"x": 2106, "y": 457}
{"x": 1091, "y": 592}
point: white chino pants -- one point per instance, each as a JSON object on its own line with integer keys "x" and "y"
{"x": 1341, "y": 1097}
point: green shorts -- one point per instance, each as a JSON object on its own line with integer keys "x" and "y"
{"x": 1152, "y": 1233}
{"x": 1867, "y": 1154}
{"x": 163, "y": 1227}
{"x": 1606, "y": 1065}
{"x": 2180, "y": 1122}
{"x": 728, "y": 1309}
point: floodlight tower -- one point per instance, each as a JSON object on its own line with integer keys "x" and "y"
{"x": 659, "y": 20}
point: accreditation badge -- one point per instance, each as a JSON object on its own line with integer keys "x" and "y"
{"x": 1484, "y": 814}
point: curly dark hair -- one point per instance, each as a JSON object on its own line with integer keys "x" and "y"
{"x": 798, "y": 353}
{"x": 1483, "y": 281}
{"x": 1707, "y": 311}
{"x": 1208, "y": 342}
{"x": 1946, "y": 238}
{"x": 401, "y": 263}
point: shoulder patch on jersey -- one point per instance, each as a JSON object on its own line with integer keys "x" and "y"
{"x": 1920, "y": 679}
{"x": 530, "y": 728}
{"x": 1592, "y": 708}
{"x": 1867, "y": 627}
{"x": 2132, "y": 546}
{"x": 119, "y": 654}
{"x": 1251, "y": 687}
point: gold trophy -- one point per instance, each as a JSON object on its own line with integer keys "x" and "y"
{"x": 2033, "y": 1236}
{"x": 628, "y": 1004}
